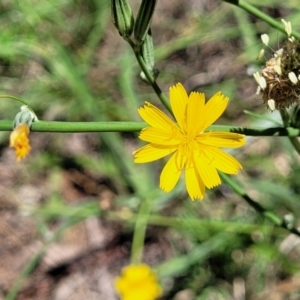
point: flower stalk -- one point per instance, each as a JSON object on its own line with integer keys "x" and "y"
{"x": 251, "y": 9}
{"x": 281, "y": 222}
{"x": 53, "y": 126}
{"x": 140, "y": 231}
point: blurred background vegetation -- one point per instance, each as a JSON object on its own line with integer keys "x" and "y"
{"x": 67, "y": 212}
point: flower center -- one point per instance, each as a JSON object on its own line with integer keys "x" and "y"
{"x": 186, "y": 149}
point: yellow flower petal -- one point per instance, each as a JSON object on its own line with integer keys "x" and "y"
{"x": 207, "y": 170}
{"x": 224, "y": 161}
{"x": 179, "y": 100}
{"x": 159, "y": 136}
{"x": 214, "y": 108}
{"x": 194, "y": 184}
{"x": 155, "y": 117}
{"x": 19, "y": 141}
{"x": 194, "y": 108}
{"x": 222, "y": 139}
{"x": 151, "y": 152}
{"x": 170, "y": 174}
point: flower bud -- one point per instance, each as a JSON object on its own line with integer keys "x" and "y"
{"x": 19, "y": 136}
{"x": 122, "y": 17}
{"x": 25, "y": 115}
{"x": 148, "y": 56}
{"x": 143, "y": 20}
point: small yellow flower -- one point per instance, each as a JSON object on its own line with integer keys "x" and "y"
{"x": 19, "y": 140}
{"x": 138, "y": 282}
{"x": 193, "y": 150}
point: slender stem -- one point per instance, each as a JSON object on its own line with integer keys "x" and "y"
{"x": 266, "y": 213}
{"x": 261, "y": 15}
{"x": 14, "y": 98}
{"x": 140, "y": 232}
{"x": 153, "y": 83}
{"x": 163, "y": 98}
{"x": 295, "y": 142}
{"x": 286, "y": 121}
{"x": 52, "y": 126}
{"x": 17, "y": 99}
{"x": 44, "y": 126}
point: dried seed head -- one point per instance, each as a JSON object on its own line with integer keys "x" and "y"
{"x": 279, "y": 81}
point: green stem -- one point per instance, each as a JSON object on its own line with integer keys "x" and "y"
{"x": 140, "y": 232}
{"x": 295, "y": 142}
{"x": 153, "y": 83}
{"x": 14, "y": 98}
{"x": 52, "y": 126}
{"x": 266, "y": 213}
{"x": 44, "y": 126}
{"x": 163, "y": 98}
{"x": 261, "y": 15}
{"x": 286, "y": 121}
{"x": 17, "y": 99}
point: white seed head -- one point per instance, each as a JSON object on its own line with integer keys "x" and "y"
{"x": 287, "y": 27}
{"x": 271, "y": 104}
{"x": 265, "y": 39}
{"x": 293, "y": 78}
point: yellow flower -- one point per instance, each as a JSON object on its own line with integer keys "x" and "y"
{"x": 19, "y": 140}
{"x": 195, "y": 151}
{"x": 138, "y": 282}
